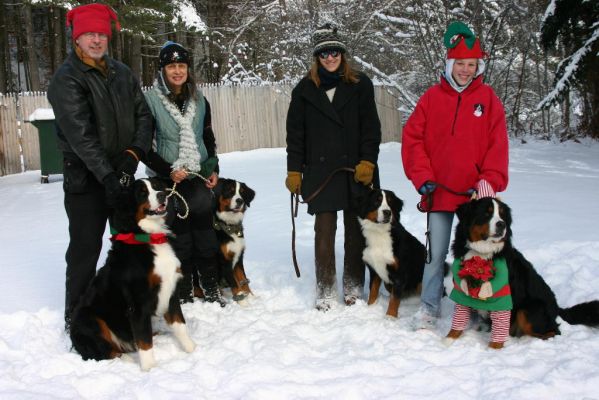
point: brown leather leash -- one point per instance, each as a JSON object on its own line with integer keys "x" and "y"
{"x": 295, "y": 200}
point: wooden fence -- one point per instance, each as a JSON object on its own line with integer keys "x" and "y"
{"x": 243, "y": 117}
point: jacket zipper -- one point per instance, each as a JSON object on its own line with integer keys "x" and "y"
{"x": 455, "y": 117}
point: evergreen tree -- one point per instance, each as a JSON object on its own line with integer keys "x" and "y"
{"x": 571, "y": 28}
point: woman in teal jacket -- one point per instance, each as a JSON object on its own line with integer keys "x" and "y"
{"x": 184, "y": 151}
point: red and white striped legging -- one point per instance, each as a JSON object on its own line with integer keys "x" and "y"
{"x": 500, "y": 321}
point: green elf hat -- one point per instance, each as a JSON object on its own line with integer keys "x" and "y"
{"x": 461, "y": 42}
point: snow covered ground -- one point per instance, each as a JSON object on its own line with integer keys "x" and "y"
{"x": 279, "y": 347}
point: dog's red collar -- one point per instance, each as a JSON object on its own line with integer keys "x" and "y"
{"x": 140, "y": 238}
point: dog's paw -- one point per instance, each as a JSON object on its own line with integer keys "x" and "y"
{"x": 188, "y": 346}
{"x": 146, "y": 359}
{"x": 243, "y": 302}
{"x": 447, "y": 341}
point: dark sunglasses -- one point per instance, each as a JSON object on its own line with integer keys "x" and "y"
{"x": 326, "y": 53}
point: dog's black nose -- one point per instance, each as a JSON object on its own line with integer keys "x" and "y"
{"x": 238, "y": 202}
{"x": 161, "y": 197}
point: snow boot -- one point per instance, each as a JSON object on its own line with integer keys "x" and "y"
{"x": 185, "y": 289}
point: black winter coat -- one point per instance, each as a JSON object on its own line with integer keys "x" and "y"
{"x": 323, "y": 136}
{"x": 98, "y": 117}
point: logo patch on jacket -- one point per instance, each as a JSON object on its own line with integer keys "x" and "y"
{"x": 479, "y": 110}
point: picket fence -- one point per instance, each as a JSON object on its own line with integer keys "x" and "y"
{"x": 243, "y": 118}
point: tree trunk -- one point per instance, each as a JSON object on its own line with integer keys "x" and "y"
{"x": 30, "y": 62}
{"x": 3, "y": 51}
{"x": 515, "y": 120}
{"x": 540, "y": 91}
{"x": 116, "y": 46}
{"x": 147, "y": 60}
{"x": 136, "y": 55}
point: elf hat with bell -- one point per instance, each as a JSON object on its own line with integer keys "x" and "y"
{"x": 461, "y": 42}
{"x": 94, "y": 17}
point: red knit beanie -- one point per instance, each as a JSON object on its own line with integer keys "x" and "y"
{"x": 461, "y": 42}
{"x": 94, "y": 17}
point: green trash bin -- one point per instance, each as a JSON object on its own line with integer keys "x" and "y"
{"x": 50, "y": 156}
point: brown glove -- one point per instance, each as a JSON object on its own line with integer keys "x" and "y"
{"x": 364, "y": 171}
{"x": 294, "y": 181}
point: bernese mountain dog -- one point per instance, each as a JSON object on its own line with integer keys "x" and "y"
{"x": 484, "y": 229}
{"x": 137, "y": 282}
{"x": 232, "y": 200}
{"x": 393, "y": 255}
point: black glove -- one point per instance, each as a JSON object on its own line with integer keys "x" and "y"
{"x": 127, "y": 165}
{"x": 112, "y": 189}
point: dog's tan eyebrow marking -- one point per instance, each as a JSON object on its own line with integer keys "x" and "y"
{"x": 223, "y": 203}
{"x": 478, "y": 232}
{"x": 372, "y": 216}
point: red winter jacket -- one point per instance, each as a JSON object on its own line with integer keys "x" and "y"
{"x": 456, "y": 139}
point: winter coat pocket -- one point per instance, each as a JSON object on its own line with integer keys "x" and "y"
{"x": 75, "y": 175}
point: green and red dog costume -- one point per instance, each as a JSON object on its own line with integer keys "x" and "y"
{"x": 492, "y": 294}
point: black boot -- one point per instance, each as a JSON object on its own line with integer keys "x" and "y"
{"x": 185, "y": 289}
{"x": 212, "y": 294}
{"x": 207, "y": 270}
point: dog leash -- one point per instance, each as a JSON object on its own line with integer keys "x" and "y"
{"x": 173, "y": 191}
{"x": 429, "y": 202}
{"x": 295, "y": 200}
{"x": 429, "y": 197}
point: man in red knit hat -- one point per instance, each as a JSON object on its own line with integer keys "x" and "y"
{"x": 454, "y": 144}
{"x": 104, "y": 128}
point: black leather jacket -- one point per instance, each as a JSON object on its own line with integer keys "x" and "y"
{"x": 98, "y": 117}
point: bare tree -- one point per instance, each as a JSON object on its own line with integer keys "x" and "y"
{"x": 31, "y": 61}
{"x": 3, "y": 51}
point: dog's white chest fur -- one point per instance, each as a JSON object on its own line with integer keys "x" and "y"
{"x": 378, "y": 252}
{"x": 236, "y": 247}
{"x": 166, "y": 266}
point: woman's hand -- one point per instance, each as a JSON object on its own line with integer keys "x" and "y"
{"x": 178, "y": 175}
{"x": 212, "y": 180}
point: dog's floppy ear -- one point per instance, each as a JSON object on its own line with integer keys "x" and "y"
{"x": 359, "y": 202}
{"x": 395, "y": 203}
{"x": 247, "y": 193}
{"x": 123, "y": 217}
{"x": 218, "y": 189}
{"x": 464, "y": 210}
{"x": 356, "y": 204}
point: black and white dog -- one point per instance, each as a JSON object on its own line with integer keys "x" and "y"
{"x": 393, "y": 255}
{"x": 232, "y": 200}
{"x": 137, "y": 282}
{"x": 484, "y": 229}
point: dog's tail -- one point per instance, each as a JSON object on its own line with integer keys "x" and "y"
{"x": 582, "y": 314}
